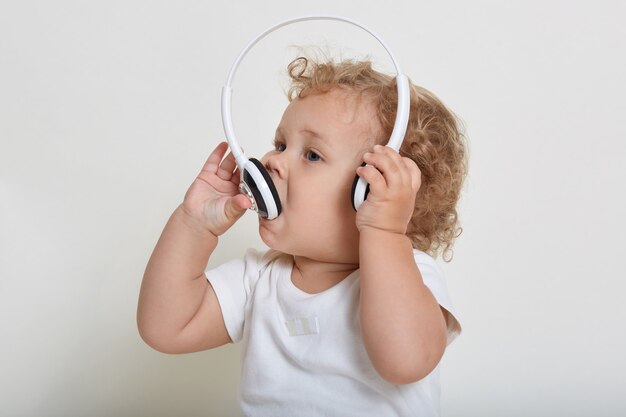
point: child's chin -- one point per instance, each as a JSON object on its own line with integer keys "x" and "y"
{"x": 269, "y": 237}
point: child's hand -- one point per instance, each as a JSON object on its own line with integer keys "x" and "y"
{"x": 213, "y": 200}
{"x": 394, "y": 182}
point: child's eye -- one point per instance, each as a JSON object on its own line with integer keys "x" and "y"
{"x": 312, "y": 156}
{"x": 280, "y": 146}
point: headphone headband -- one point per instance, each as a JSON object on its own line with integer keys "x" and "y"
{"x": 402, "y": 116}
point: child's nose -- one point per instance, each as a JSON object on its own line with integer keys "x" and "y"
{"x": 276, "y": 164}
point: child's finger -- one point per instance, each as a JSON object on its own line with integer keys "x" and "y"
{"x": 225, "y": 170}
{"x": 394, "y": 174}
{"x": 416, "y": 173}
{"x": 374, "y": 177}
{"x": 213, "y": 162}
{"x": 236, "y": 178}
{"x": 236, "y": 206}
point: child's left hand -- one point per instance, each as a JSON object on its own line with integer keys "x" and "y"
{"x": 394, "y": 181}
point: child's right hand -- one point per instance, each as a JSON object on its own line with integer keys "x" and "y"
{"x": 213, "y": 201}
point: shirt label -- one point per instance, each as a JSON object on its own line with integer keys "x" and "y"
{"x": 303, "y": 326}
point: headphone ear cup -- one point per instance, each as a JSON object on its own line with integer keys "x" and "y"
{"x": 258, "y": 185}
{"x": 360, "y": 190}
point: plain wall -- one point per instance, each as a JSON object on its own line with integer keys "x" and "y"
{"x": 109, "y": 109}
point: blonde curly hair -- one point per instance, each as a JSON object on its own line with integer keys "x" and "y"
{"x": 433, "y": 140}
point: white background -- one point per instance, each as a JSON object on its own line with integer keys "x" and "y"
{"x": 108, "y": 110}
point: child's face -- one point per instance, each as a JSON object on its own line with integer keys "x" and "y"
{"x": 314, "y": 175}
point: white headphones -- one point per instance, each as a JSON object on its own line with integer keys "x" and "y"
{"x": 255, "y": 180}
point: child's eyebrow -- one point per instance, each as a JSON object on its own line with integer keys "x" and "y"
{"x": 310, "y": 132}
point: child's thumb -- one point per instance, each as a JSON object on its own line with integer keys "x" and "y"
{"x": 236, "y": 206}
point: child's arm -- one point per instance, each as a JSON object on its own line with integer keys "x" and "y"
{"x": 177, "y": 310}
{"x": 403, "y": 326}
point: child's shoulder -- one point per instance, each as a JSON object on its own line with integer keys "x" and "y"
{"x": 423, "y": 258}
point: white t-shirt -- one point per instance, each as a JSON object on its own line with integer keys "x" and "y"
{"x": 303, "y": 354}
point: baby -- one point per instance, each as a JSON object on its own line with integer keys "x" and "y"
{"x": 347, "y": 313}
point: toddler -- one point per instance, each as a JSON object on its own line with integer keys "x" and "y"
{"x": 347, "y": 313}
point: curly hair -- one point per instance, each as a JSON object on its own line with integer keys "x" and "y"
{"x": 433, "y": 140}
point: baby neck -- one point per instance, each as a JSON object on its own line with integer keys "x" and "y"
{"x": 313, "y": 273}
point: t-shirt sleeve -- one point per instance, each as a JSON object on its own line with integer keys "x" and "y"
{"x": 232, "y": 282}
{"x": 434, "y": 279}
